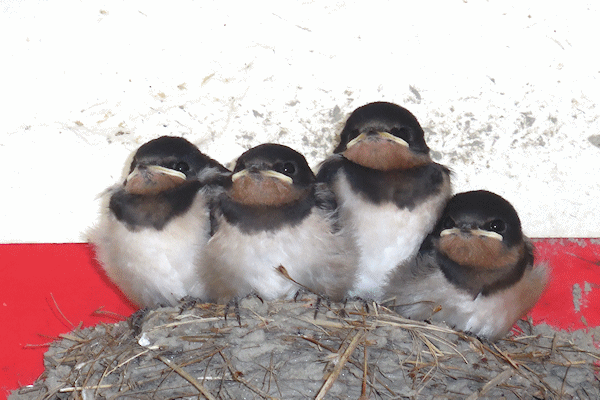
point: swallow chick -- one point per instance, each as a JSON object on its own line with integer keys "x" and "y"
{"x": 475, "y": 271}
{"x": 272, "y": 214}
{"x": 390, "y": 193}
{"x": 155, "y": 224}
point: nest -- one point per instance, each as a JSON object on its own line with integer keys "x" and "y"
{"x": 282, "y": 351}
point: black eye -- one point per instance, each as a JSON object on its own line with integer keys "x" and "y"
{"x": 497, "y": 226}
{"x": 182, "y": 167}
{"x": 288, "y": 168}
{"x": 448, "y": 223}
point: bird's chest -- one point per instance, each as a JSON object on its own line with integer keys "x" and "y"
{"x": 172, "y": 248}
{"x": 484, "y": 316}
{"x": 385, "y": 233}
{"x": 253, "y": 257}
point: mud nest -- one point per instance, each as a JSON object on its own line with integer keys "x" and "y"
{"x": 281, "y": 351}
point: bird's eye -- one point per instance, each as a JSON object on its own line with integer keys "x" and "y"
{"x": 448, "y": 223}
{"x": 288, "y": 168}
{"x": 182, "y": 167}
{"x": 497, "y": 226}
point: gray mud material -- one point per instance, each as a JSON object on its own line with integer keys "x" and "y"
{"x": 281, "y": 351}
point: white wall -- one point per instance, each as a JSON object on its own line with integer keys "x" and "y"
{"x": 507, "y": 92}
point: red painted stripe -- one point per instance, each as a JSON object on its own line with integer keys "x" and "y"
{"x": 38, "y": 282}
{"x": 572, "y": 299}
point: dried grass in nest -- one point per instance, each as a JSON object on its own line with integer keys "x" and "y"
{"x": 281, "y": 351}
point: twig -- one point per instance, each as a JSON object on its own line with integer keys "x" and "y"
{"x": 562, "y": 386}
{"x": 33, "y": 346}
{"x": 363, "y": 390}
{"x": 325, "y": 323}
{"x": 340, "y": 365}
{"x": 447, "y": 343}
{"x": 319, "y": 344}
{"x": 506, "y": 357}
{"x": 82, "y": 388}
{"x": 100, "y": 311}
{"x": 498, "y": 379}
{"x": 355, "y": 363}
{"x": 236, "y": 375}
{"x": 72, "y": 338}
{"x": 179, "y": 323}
{"x": 281, "y": 269}
{"x": 58, "y": 308}
{"x": 545, "y": 385}
{"x": 187, "y": 377}
{"x": 554, "y": 341}
{"x": 128, "y": 360}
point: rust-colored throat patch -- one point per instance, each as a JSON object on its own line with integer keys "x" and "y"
{"x": 256, "y": 189}
{"x": 479, "y": 252}
{"x": 153, "y": 179}
{"x": 384, "y": 154}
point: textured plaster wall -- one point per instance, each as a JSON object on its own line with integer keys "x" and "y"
{"x": 507, "y": 92}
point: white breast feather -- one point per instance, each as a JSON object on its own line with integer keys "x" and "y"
{"x": 245, "y": 262}
{"x": 154, "y": 267}
{"x": 488, "y": 317}
{"x": 385, "y": 234}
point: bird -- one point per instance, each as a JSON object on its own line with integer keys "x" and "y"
{"x": 273, "y": 214}
{"x": 389, "y": 191}
{"x": 155, "y": 223}
{"x": 475, "y": 271}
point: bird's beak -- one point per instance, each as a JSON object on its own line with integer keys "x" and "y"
{"x": 157, "y": 169}
{"x": 474, "y": 232}
{"x": 152, "y": 179}
{"x": 489, "y": 234}
{"x": 382, "y": 135}
{"x": 266, "y": 173}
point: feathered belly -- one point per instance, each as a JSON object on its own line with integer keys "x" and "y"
{"x": 239, "y": 263}
{"x": 385, "y": 236}
{"x": 154, "y": 267}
